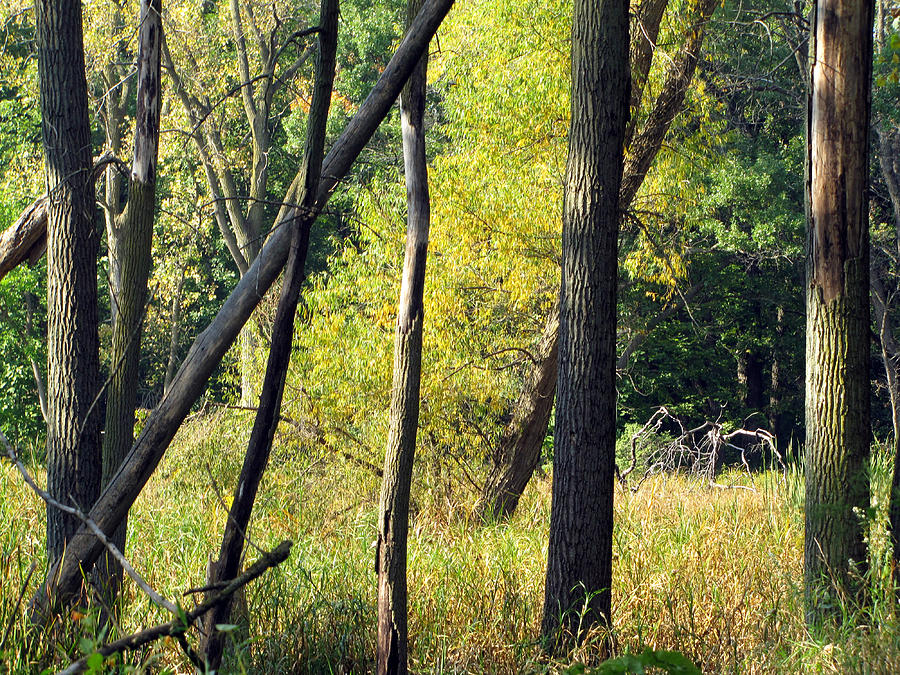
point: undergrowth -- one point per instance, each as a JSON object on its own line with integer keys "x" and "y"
{"x": 712, "y": 573}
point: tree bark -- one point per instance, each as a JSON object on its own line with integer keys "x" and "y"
{"x": 393, "y": 523}
{"x": 837, "y": 302}
{"x": 579, "y": 557}
{"x": 130, "y": 242}
{"x": 526, "y": 432}
{"x": 267, "y": 415}
{"x": 73, "y": 457}
{"x": 210, "y": 346}
{"x": 523, "y": 439}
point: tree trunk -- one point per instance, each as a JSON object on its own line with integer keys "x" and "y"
{"x": 73, "y": 433}
{"x": 63, "y": 581}
{"x": 526, "y": 432}
{"x": 523, "y": 438}
{"x": 175, "y": 331}
{"x": 393, "y": 522}
{"x": 260, "y": 444}
{"x": 579, "y": 557}
{"x": 837, "y": 302}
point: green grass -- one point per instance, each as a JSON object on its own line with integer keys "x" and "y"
{"x": 712, "y": 573}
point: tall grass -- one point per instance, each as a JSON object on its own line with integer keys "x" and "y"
{"x": 713, "y": 573}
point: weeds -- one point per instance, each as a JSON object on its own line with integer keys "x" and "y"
{"x": 713, "y": 574}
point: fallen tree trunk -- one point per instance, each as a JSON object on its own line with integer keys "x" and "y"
{"x": 64, "y": 579}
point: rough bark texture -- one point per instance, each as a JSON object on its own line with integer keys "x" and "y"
{"x": 25, "y": 239}
{"x": 210, "y": 346}
{"x": 393, "y": 523}
{"x": 73, "y": 454}
{"x": 579, "y": 557}
{"x": 130, "y": 244}
{"x": 526, "y": 434}
{"x": 267, "y": 415}
{"x": 523, "y": 438}
{"x": 837, "y": 342}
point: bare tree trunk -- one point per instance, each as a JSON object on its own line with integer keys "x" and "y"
{"x": 393, "y": 522}
{"x": 268, "y": 412}
{"x": 130, "y": 244}
{"x": 526, "y": 432}
{"x": 837, "y": 342}
{"x": 63, "y": 580}
{"x": 172, "y": 361}
{"x": 73, "y": 432}
{"x": 579, "y": 555}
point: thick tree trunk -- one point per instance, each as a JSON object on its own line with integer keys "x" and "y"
{"x": 837, "y": 342}
{"x": 73, "y": 454}
{"x": 579, "y": 556}
{"x": 267, "y": 415}
{"x": 393, "y": 522}
{"x": 526, "y": 431}
{"x": 62, "y": 581}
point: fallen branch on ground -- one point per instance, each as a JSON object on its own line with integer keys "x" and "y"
{"x": 178, "y": 627}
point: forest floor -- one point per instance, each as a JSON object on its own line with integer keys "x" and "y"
{"x": 713, "y": 573}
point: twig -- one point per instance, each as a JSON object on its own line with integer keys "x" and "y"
{"x": 185, "y": 620}
{"x": 92, "y": 526}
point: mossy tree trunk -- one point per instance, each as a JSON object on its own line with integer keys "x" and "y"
{"x": 393, "y": 522}
{"x": 579, "y": 557}
{"x": 837, "y": 303}
{"x": 73, "y": 429}
{"x": 129, "y": 243}
{"x": 63, "y": 581}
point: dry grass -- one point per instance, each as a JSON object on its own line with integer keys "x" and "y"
{"x": 712, "y": 573}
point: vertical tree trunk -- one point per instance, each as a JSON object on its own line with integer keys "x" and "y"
{"x": 130, "y": 245}
{"x": 837, "y": 340}
{"x": 524, "y": 434}
{"x": 393, "y": 522}
{"x": 73, "y": 453}
{"x": 579, "y": 557}
{"x": 268, "y": 412}
{"x": 62, "y": 581}
{"x": 172, "y": 361}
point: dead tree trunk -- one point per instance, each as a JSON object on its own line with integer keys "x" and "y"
{"x": 63, "y": 580}
{"x": 393, "y": 522}
{"x": 837, "y": 304}
{"x": 268, "y": 412}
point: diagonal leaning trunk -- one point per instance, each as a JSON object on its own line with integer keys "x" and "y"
{"x": 268, "y": 413}
{"x": 64, "y": 580}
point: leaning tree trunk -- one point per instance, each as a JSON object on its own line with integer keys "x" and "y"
{"x": 130, "y": 244}
{"x": 393, "y": 522}
{"x": 579, "y": 556}
{"x": 63, "y": 580}
{"x": 267, "y": 415}
{"x": 837, "y": 302}
{"x": 523, "y": 438}
{"x": 73, "y": 433}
